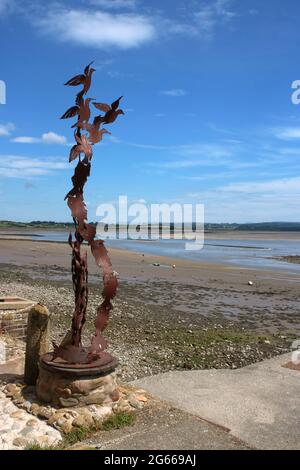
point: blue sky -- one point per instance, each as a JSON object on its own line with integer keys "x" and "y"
{"x": 207, "y": 96}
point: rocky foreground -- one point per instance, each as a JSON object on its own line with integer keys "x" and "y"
{"x": 154, "y": 333}
{"x": 18, "y": 427}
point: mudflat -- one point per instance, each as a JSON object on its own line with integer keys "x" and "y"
{"x": 191, "y": 316}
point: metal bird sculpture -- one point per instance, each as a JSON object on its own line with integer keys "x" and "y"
{"x": 95, "y": 133}
{"x": 82, "y": 111}
{"x": 84, "y": 79}
{"x": 111, "y": 111}
{"x": 82, "y": 146}
{"x": 71, "y": 350}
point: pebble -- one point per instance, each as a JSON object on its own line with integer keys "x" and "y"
{"x": 83, "y": 421}
{"x": 18, "y": 414}
{"x": 20, "y": 442}
{"x": 19, "y": 428}
{"x": 32, "y": 423}
{"x": 142, "y": 398}
{"x": 27, "y": 405}
{"x": 99, "y": 413}
{"x": 135, "y": 403}
{"x": 42, "y": 440}
{"x": 44, "y": 413}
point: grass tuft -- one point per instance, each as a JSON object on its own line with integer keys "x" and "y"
{"x": 36, "y": 446}
{"x": 118, "y": 421}
{"x": 77, "y": 434}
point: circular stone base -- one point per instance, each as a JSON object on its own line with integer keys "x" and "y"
{"x": 69, "y": 385}
{"x": 102, "y": 366}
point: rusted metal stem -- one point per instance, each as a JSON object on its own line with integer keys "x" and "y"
{"x": 86, "y": 135}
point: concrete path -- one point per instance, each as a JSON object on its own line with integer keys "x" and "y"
{"x": 160, "y": 426}
{"x": 259, "y": 404}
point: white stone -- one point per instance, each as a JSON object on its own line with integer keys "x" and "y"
{"x": 13, "y": 427}
{"x": 99, "y": 413}
{"x": 16, "y": 426}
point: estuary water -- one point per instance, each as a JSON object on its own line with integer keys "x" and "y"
{"x": 256, "y": 254}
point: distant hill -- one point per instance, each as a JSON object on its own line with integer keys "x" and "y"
{"x": 255, "y": 227}
{"x": 271, "y": 227}
{"x": 209, "y": 227}
{"x": 35, "y": 224}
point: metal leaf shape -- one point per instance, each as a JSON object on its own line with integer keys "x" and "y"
{"x": 88, "y": 232}
{"x": 75, "y": 152}
{"x": 78, "y": 207}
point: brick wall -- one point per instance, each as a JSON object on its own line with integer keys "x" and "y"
{"x": 14, "y": 323}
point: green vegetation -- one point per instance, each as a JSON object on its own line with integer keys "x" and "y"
{"x": 255, "y": 227}
{"x": 206, "y": 348}
{"x": 35, "y": 224}
{"x": 36, "y": 446}
{"x": 118, "y": 421}
{"x": 78, "y": 434}
{"x": 271, "y": 226}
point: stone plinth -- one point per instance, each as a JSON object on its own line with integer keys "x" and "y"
{"x": 37, "y": 341}
{"x": 71, "y": 389}
{"x": 13, "y": 316}
{"x": 14, "y": 303}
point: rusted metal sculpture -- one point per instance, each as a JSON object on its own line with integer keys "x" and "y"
{"x": 71, "y": 351}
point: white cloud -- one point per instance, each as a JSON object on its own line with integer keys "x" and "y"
{"x": 6, "y": 6}
{"x": 53, "y": 138}
{"x": 290, "y": 151}
{"x": 47, "y": 138}
{"x": 211, "y": 15}
{"x": 197, "y": 155}
{"x": 98, "y": 28}
{"x": 176, "y": 92}
{"x": 114, "y": 4}
{"x": 21, "y": 174}
{"x": 104, "y": 23}
{"x": 201, "y": 21}
{"x": 181, "y": 164}
{"x": 16, "y": 166}
{"x": 283, "y": 186}
{"x": 189, "y": 150}
{"x": 287, "y": 133}
{"x": 253, "y": 201}
{"x": 205, "y": 150}
{"x": 26, "y": 140}
{"x": 6, "y": 129}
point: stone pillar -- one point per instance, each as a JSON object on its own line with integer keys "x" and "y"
{"x": 70, "y": 390}
{"x": 37, "y": 341}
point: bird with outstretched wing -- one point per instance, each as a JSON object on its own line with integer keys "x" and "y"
{"x": 83, "y": 79}
{"x": 111, "y": 111}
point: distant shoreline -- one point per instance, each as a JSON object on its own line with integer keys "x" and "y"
{"x": 18, "y": 233}
{"x": 290, "y": 259}
{"x": 208, "y": 227}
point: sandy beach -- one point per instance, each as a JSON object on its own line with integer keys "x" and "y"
{"x": 196, "y": 315}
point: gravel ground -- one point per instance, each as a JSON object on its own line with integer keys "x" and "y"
{"x": 157, "y": 333}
